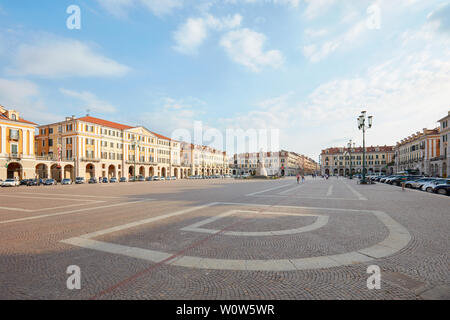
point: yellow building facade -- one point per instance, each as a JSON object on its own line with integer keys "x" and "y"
{"x": 16, "y": 146}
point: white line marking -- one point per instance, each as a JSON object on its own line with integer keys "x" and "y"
{"x": 330, "y": 191}
{"x": 254, "y": 193}
{"x": 319, "y": 223}
{"x": 398, "y": 238}
{"x": 292, "y": 189}
{"x": 145, "y": 221}
{"x": 72, "y": 211}
{"x": 69, "y": 206}
{"x": 41, "y": 198}
{"x": 305, "y": 197}
{"x": 16, "y": 209}
{"x": 356, "y": 193}
{"x": 83, "y": 195}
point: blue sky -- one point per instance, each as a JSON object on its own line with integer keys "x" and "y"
{"x": 304, "y": 67}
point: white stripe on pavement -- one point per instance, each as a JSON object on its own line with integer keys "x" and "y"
{"x": 72, "y": 211}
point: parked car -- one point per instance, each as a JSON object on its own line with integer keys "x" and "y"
{"x": 10, "y": 183}
{"x": 430, "y": 186}
{"x": 443, "y": 189}
{"x": 24, "y": 182}
{"x": 141, "y": 178}
{"x": 418, "y": 183}
{"x": 104, "y": 180}
{"x": 123, "y": 179}
{"x": 50, "y": 182}
{"x": 79, "y": 180}
{"x": 92, "y": 181}
{"x": 162, "y": 178}
{"x": 66, "y": 182}
{"x": 156, "y": 178}
{"x": 113, "y": 180}
{"x": 149, "y": 179}
{"x": 34, "y": 182}
{"x": 131, "y": 179}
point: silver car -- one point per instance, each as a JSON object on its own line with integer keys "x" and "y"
{"x": 10, "y": 183}
{"x": 429, "y": 186}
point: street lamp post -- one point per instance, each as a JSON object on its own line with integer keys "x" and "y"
{"x": 362, "y": 126}
{"x": 349, "y": 145}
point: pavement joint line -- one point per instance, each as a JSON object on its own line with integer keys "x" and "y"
{"x": 72, "y": 211}
{"x": 267, "y": 190}
{"x": 398, "y": 238}
{"x": 356, "y": 193}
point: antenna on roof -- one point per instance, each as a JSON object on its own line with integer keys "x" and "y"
{"x": 87, "y": 112}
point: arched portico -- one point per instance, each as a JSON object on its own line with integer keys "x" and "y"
{"x": 56, "y": 172}
{"x": 14, "y": 171}
{"x": 111, "y": 171}
{"x": 41, "y": 171}
{"x": 90, "y": 171}
{"x": 69, "y": 172}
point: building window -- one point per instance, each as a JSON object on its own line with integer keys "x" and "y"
{"x": 14, "y": 149}
{"x": 14, "y": 134}
{"x": 50, "y": 142}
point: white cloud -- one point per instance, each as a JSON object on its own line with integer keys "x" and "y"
{"x": 317, "y": 52}
{"x": 170, "y": 114}
{"x": 191, "y": 35}
{"x": 409, "y": 92}
{"x": 24, "y": 97}
{"x": 161, "y": 7}
{"x": 292, "y": 3}
{"x": 246, "y": 47}
{"x": 64, "y": 58}
{"x": 120, "y": 8}
{"x": 316, "y": 7}
{"x": 440, "y": 18}
{"x": 90, "y": 101}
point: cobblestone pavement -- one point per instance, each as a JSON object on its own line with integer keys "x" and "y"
{"x": 224, "y": 239}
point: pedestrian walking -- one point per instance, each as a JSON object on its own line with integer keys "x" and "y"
{"x": 298, "y": 178}
{"x": 303, "y": 179}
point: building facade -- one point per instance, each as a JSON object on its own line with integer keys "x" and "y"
{"x": 417, "y": 151}
{"x": 441, "y": 164}
{"x": 197, "y": 160}
{"x": 91, "y": 147}
{"x": 343, "y": 161}
{"x": 282, "y": 163}
{"x": 16, "y": 146}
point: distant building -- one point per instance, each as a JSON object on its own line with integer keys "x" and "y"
{"x": 417, "y": 151}
{"x": 441, "y": 164}
{"x": 281, "y": 163}
{"x": 342, "y": 161}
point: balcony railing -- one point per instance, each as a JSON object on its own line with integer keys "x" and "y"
{"x": 90, "y": 159}
{"x": 15, "y": 156}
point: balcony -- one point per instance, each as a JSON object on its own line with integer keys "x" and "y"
{"x": 90, "y": 159}
{"x": 15, "y": 156}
